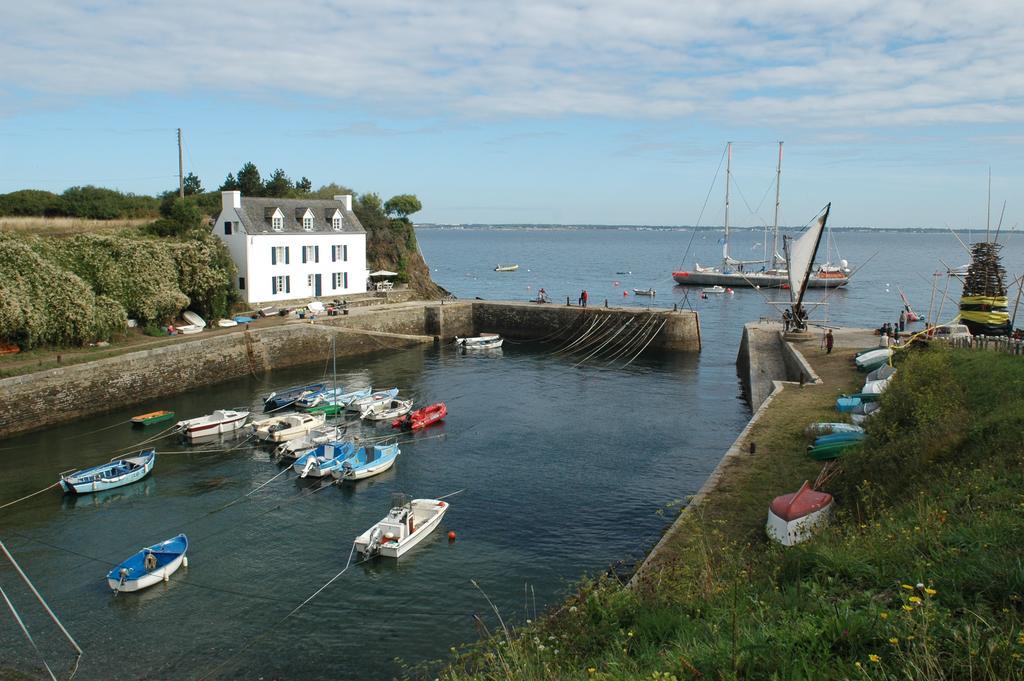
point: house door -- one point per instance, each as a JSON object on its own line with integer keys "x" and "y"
{"x": 316, "y": 286}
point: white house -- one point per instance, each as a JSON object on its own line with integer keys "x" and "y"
{"x": 293, "y": 248}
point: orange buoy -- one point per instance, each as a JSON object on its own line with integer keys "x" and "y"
{"x": 451, "y": 536}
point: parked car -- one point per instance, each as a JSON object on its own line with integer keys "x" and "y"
{"x": 950, "y": 332}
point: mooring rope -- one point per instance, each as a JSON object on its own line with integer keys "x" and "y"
{"x": 605, "y": 344}
{"x": 570, "y": 342}
{"x": 653, "y": 336}
{"x": 597, "y": 338}
{"x": 25, "y": 631}
{"x": 29, "y": 496}
{"x": 598, "y": 325}
{"x": 632, "y": 342}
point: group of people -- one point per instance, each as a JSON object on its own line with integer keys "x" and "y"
{"x": 584, "y": 296}
{"x": 795, "y": 320}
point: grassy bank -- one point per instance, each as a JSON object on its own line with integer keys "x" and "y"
{"x": 920, "y": 575}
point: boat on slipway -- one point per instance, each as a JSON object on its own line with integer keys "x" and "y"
{"x": 322, "y": 460}
{"x": 793, "y": 518}
{"x": 219, "y": 422}
{"x": 386, "y": 410}
{"x": 367, "y": 462}
{"x": 769, "y": 272}
{"x": 405, "y": 526}
{"x": 117, "y": 473}
{"x": 151, "y": 565}
{"x": 288, "y": 396}
{"x": 295, "y": 448}
{"x": 287, "y": 427}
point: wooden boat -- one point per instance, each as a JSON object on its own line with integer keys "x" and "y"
{"x": 288, "y": 396}
{"x": 193, "y": 319}
{"x": 644, "y": 292}
{"x": 287, "y": 427}
{"x": 793, "y": 518}
{"x": 322, "y": 460}
{"x": 117, "y": 473}
{"x": 816, "y": 429}
{"x": 506, "y": 268}
{"x": 303, "y": 444}
{"x": 421, "y": 418}
{"x": 226, "y": 323}
{"x": 386, "y": 410}
{"x": 219, "y": 422}
{"x": 152, "y": 418}
{"x": 334, "y": 396}
{"x": 713, "y": 289}
{"x": 407, "y": 524}
{"x": 358, "y": 405}
{"x": 830, "y": 450}
{"x": 150, "y": 566}
{"x": 367, "y": 462}
{"x": 485, "y": 341}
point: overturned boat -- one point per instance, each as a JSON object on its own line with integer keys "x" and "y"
{"x": 793, "y": 518}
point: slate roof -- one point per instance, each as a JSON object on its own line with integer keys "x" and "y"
{"x": 256, "y": 214}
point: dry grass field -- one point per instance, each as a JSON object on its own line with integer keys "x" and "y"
{"x": 67, "y": 226}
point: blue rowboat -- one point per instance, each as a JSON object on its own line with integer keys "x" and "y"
{"x": 287, "y": 397}
{"x": 149, "y": 566}
{"x": 117, "y": 473}
{"x": 847, "y": 403}
{"x": 322, "y": 460}
{"x": 838, "y": 437}
{"x": 336, "y": 396}
{"x": 366, "y": 462}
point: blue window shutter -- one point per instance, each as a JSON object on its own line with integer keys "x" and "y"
{"x": 303, "y": 254}
{"x": 334, "y": 253}
{"x": 286, "y": 250}
{"x": 316, "y": 253}
{"x": 287, "y": 284}
{"x": 273, "y": 256}
{"x": 346, "y": 280}
{"x": 273, "y": 285}
{"x": 344, "y": 250}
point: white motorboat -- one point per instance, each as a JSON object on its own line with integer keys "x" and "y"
{"x": 293, "y": 449}
{"x": 713, "y": 289}
{"x": 484, "y": 341}
{"x": 194, "y": 319}
{"x": 220, "y": 421}
{"x": 407, "y": 524}
{"x": 793, "y": 518}
{"x": 363, "y": 403}
{"x": 386, "y": 410}
{"x": 286, "y": 427}
{"x": 644, "y": 292}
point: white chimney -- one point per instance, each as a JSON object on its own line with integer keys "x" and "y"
{"x": 346, "y": 199}
{"x": 231, "y": 199}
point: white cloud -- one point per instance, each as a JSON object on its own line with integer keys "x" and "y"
{"x": 823, "y": 64}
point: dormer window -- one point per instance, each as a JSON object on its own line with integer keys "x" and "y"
{"x": 278, "y": 223}
{"x": 307, "y": 223}
{"x": 336, "y": 223}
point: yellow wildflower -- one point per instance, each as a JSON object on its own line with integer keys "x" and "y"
{"x": 883, "y": 615}
{"x": 930, "y": 592}
{"x": 908, "y": 608}
{"x": 874, "y": 658}
{"x": 915, "y": 599}
{"x": 591, "y": 670}
{"x": 907, "y": 587}
{"x": 894, "y": 640}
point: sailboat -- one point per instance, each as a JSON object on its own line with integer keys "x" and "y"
{"x": 772, "y": 273}
{"x": 800, "y": 252}
{"x": 908, "y": 311}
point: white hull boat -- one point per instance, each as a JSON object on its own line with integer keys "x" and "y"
{"x": 869, "y": 358}
{"x": 287, "y": 427}
{"x": 793, "y": 518}
{"x": 644, "y": 292}
{"x": 219, "y": 422}
{"x": 151, "y": 565}
{"x": 321, "y": 461}
{"x": 405, "y": 526}
{"x": 367, "y": 462}
{"x": 189, "y": 329}
{"x": 293, "y": 449}
{"x": 387, "y": 410}
{"x": 364, "y": 403}
{"x": 713, "y": 289}
{"x": 193, "y": 319}
{"x": 226, "y": 323}
{"x": 876, "y": 387}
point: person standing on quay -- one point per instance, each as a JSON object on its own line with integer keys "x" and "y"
{"x": 829, "y": 342}
{"x": 584, "y": 297}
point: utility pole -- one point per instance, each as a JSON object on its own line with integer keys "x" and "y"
{"x": 181, "y": 169}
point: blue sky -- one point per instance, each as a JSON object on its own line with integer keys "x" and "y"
{"x": 563, "y": 112}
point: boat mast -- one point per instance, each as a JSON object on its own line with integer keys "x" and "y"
{"x": 775, "y": 240}
{"x": 728, "y": 176}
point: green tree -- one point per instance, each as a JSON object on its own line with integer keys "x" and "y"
{"x": 278, "y": 185}
{"x": 304, "y": 186}
{"x": 329, "y": 191}
{"x": 249, "y": 181}
{"x": 182, "y": 218}
{"x": 31, "y": 202}
{"x": 403, "y": 205}
{"x": 193, "y": 185}
{"x": 371, "y": 204}
{"x": 230, "y": 184}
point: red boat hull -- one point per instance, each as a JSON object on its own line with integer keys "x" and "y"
{"x": 421, "y": 418}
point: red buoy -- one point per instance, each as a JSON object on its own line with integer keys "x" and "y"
{"x": 451, "y": 536}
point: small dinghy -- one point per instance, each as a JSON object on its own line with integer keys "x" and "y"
{"x": 876, "y": 387}
{"x": 194, "y": 319}
{"x": 831, "y": 449}
{"x": 149, "y": 566}
{"x": 287, "y": 427}
{"x": 226, "y": 323}
{"x": 816, "y": 429}
{"x": 335, "y": 396}
{"x": 188, "y": 329}
{"x": 152, "y": 418}
{"x": 847, "y": 403}
{"x": 322, "y": 460}
{"x": 421, "y": 418}
{"x": 117, "y": 473}
{"x": 217, "y": 423}
{"x": 386, "y": 410}
{"x": 881, "y": 373}
{"x": 872, "y": 359}
{"x": 793, "y": 518}
{"x": 644, "y": 292}
{"x": 484, "y": 341}
{"x": 366, "y": 462}
{"x": 288, "y": 396}
{"x": 407, "y": 524}
{"x": 360, "y": 404}
{"x": 863, "y": 412}
{"x": 506, "y": 268}
{"x": 310, "y": 441}
{"x": 336, "y": 403}
{"x": 713, "y": 289}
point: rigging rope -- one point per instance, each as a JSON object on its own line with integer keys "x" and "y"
{"x": 704, "y": 207}
{"x": 24, "y": 630}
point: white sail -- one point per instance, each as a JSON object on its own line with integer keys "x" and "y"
{"x": 800, "y": 253}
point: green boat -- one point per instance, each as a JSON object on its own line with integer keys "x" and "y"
{"x": 326, "y": 409}
{"x": 833, "y": 450}
{"x": 152, "y": 418}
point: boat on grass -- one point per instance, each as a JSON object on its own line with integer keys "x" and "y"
{"x": 421, "y": 418}
{"x": 872, "y": 359}
{"x": 226, "y": 323}
{"x": 288, "y": 396}
{"x": 116, "y": 473}
{"x": 150, "y": 566}
{"x": 292, "y": 449}
{"x": 838, "y": 437}
{"x": 152, "y": 418}
{"x": 189, "y": 329}
{"x": 219, "y": 422}
{"x": 322, "y": 460}
{"x": 366, "y": 462}
{"x": 386, "y": 410}
{"x": 287, "y": 427}
{"x": 881, "y": 373}
{"x": 358, "y": 405}
{"x": 506, "y": 268}
{"x": 821, "y": 428}
{"x": 793, "y": 518}
{"x": 193, "y": 319}
{"x": 406, "y": 525}
{"x": 830, "y": 450}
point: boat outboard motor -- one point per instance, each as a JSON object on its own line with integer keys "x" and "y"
{"x": 373, "y": 544}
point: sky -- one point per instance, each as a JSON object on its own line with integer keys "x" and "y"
{"x": 574, "y": 112}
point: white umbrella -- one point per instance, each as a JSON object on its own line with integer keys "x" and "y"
{"x": 383, "y": 273}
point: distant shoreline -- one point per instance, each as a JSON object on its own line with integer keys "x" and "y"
{"x": 480, "y": 227}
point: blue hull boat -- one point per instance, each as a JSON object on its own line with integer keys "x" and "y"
{"x": 117, "y": 473}
{"x": 322, "y": 460}
{"x": 288, "y": 397}
{"x": 150, "y": 566}
{"x": 838, "y": 437}
{"x": 367, "y": 462}
{"x": 337, "y": 396}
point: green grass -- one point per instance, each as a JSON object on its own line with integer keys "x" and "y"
{"x": 920, "y": 576}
